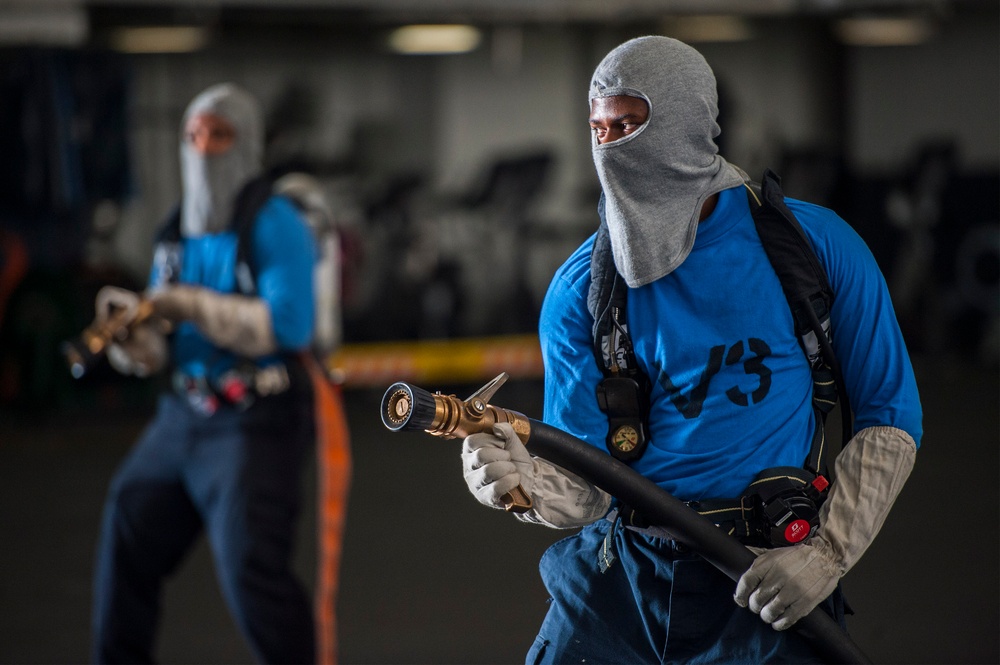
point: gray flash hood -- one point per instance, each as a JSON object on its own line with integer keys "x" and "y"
{"x": 212, "y": 183}
{"x": 656, "y": 179}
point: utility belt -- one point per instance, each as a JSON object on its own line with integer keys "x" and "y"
{"x": 238, "y": 387}
{"x": 779, "y": 508}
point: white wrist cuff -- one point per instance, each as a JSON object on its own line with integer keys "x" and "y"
{"x": 563, "y": 500}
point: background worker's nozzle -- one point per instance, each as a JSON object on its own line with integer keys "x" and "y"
{"x": 77, "y": 365}
{"x": 79, "y": 358}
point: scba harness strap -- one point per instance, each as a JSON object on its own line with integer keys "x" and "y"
{"x": 623, "y": 394}
{"x": 781, "y": 502}
{"x": 810, "y": 298}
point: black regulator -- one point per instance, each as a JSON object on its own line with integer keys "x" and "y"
{"x": 787, "y": 504}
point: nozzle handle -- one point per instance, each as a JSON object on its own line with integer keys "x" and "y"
{"x": 516, "y": 500}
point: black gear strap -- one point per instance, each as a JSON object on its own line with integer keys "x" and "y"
{"x": 623, "y": 393}
{"x": 810, "y": 299}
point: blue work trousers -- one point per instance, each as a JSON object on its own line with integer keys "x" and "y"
{"x": 236, "y": 476}
{"x": 657, "y": 603}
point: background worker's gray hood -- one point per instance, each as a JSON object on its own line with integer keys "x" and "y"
{"x": 211, "y": 183}
{"x": 656, "y": 179}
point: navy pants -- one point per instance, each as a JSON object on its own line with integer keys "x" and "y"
{"x": 235, "y": 476}
{"x": 657, "y": 603}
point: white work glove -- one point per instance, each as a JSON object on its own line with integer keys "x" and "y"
{"x": 495, "y": 463}
{"x": 142, "y": 353}
{"x": 231, "y": 321}
{"x": 116, "y": 301}
{"x": 144, "y": 350}
{"x": 785, "y": 584}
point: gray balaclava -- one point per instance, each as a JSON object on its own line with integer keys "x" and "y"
{"x": 656, "y": 179}
{"x": 211, "y": 183}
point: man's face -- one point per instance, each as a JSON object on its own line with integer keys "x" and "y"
{"x": 210, "y": 134}
{"x": 612, "y": 118}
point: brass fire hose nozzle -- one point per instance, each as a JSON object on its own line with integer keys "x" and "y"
{"x": 407, "y": 407}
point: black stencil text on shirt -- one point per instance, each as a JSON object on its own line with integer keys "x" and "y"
{"x": 690, "y": 405}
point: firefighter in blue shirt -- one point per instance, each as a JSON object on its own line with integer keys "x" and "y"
{"x": 731, "y": 392}
{"x": 225, "y": 451}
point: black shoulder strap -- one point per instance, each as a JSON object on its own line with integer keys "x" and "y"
{"x": 608, "y": 291}
{"x": 170, "y": 229}
{"x": 249, "y": 202}
{"x": 167, "y": 249}
{"x": 790, "y": 252}
{"x": 623, "y": 393}
{"x": 810, "y": 298}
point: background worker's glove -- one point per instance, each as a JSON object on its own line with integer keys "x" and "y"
{"x": 142, "y": 353}
{"x": 231, "y": 321}
{"x": 495, "y": 463}
{"x": 144, "y": 350}
{"x": 785, "y": 584}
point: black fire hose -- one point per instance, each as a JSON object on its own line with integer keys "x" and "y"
{"x": 659, "y": 507}
{"x": 407, "y": 407}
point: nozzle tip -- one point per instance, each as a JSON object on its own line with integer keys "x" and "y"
{"x": 406, "y": 407}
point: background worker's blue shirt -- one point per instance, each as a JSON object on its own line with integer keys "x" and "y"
{"x": 731, "y": 389}
{"x": 283, "y": 254}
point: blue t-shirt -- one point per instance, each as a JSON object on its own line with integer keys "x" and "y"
{"x": 283, "y": 255}
{"x": 731, "y": 387}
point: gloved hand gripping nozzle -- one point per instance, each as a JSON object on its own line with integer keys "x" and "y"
{"x": 118, "y": 313}
{"x": 407, "y": 408}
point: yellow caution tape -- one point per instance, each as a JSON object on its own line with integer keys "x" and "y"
{"x": 379, "y": 364}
